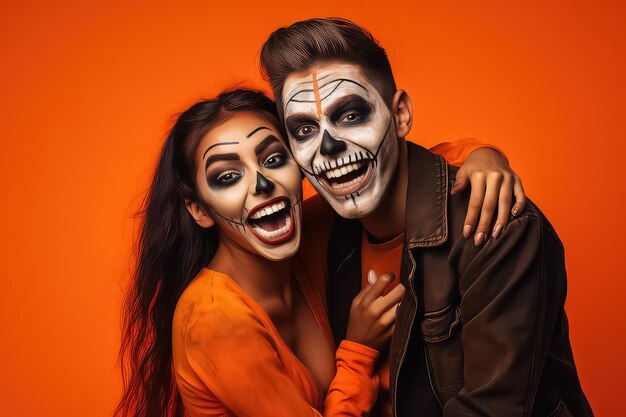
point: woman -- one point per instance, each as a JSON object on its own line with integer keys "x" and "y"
{"x": 214, "y": 320}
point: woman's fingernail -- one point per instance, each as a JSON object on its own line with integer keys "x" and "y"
{"x": 467, "y": 230}
{"x": 496, "y": 230}
{"x": 515, "y": 211}
{"x": 371, "y": 277}
{"x": 479, "y": 238}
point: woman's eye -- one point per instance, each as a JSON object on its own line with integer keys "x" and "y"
{"x": 228, "y": 177}
{"x": 275, "y": 160}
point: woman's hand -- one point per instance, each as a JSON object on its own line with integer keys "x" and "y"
{"x": 373, "y": 315}
{"x": 493, "y": 183}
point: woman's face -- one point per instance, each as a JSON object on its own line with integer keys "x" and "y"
{"x": 250, "y": 185}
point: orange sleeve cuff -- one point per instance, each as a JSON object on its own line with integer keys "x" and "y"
{"x": 457, "y": 152}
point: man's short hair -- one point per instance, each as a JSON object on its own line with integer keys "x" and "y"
{"x": 309, "y": 42}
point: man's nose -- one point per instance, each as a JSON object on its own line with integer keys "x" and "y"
{"x": 263, "y": 185}
{"x": 331, "y": 146}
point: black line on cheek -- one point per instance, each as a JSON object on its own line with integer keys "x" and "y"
{"x": 382, "y": 141}
{"x": 353, "y": 199}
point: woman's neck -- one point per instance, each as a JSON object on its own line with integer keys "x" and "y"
{"x": 258, "y": 276}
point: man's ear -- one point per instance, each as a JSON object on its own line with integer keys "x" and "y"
{"x": 199, "y": 214}
{"x": 402, "y": 111}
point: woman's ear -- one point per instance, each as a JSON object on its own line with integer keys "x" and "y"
{"x": 402, "y": 111}
{"x": 199, "y": 214}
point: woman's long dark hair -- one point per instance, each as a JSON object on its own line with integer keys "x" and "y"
{"x": 170, "y": 251}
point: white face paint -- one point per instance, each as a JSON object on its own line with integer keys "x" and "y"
{"x": 342, "y": 135}
{"x": 251, "y": 185}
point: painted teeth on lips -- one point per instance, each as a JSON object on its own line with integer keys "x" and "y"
{"x": 269, "y": 210}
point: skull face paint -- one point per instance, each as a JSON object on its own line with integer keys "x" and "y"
{"x": 342, "y": 135}
{"x": 250, "y": 186}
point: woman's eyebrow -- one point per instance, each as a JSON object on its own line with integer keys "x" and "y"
{"x": 218, "y": 144}
{"x": 256, "y": 130}
{"x": 221, "y": 157}
{"x": 271, "y": 139}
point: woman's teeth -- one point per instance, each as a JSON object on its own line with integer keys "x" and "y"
{"x": 269, "y": 210}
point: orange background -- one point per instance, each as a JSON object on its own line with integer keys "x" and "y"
{"x": 87, "y": 95}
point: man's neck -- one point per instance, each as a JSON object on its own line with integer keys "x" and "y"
{"x": 388, "y": 220}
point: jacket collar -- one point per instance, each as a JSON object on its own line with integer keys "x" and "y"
{"x": 427, "y": 198}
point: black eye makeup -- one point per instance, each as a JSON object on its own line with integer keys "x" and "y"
{"x": 302, "y": 128}
{"x": 222, "y": 170}
{"x": 224, "y": 178}
{"x": 354, "y": 110}
{"x": 274, "y": 155}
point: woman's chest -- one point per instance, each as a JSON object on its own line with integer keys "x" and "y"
{"x": 304, "y": 336}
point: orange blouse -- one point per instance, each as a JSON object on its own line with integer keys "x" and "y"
{"x": 230, "y": 360}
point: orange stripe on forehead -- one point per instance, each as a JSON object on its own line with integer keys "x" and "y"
{"x": 316, "y": 92}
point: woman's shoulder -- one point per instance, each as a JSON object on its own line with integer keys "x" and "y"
{"x": 213, "y": 300}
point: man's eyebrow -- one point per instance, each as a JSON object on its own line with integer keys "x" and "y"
{"x": 271, "y": 139}
{"x": 221, "y": 157}
{"x": 299, "y": 118}
{"x": 345, "y": 100}
{"x": 256, "y": 130}
{"x": 218, "y": 144}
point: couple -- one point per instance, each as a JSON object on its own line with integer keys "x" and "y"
{"x": 368, "y": 299}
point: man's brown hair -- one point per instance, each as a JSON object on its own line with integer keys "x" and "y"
{"x": 300, "y": 46}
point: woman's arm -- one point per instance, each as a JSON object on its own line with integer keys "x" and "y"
{"x": 493, "y": 184}
{"x": 234, "y": 355}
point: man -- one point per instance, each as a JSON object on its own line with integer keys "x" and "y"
{"x": 482, "y": 328}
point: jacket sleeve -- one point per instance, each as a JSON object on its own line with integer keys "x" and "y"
{"x": 457, "y": 152}
{"x": 234, "y": 355}
{"x": 512, "y": 291}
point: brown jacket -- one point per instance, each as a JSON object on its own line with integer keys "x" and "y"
{"x": 481, "y": 331}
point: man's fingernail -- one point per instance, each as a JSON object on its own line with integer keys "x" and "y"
{"x": 371, "y": 277}
{"x": 496, "y": 230}
{"x": 515, "y": 211}
{"x": 479, "y": 238}
{"x": 467, "y": 230}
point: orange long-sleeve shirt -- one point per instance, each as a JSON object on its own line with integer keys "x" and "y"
{"x": 229, "y": 359}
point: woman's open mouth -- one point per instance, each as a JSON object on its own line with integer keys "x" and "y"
{"x": 272, "y": 221}
{"x": 346, "y": 179}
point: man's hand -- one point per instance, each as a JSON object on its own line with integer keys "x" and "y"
{"x": 493, "y": 183}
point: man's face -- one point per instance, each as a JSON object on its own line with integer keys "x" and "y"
{"x": 342, "y": 135}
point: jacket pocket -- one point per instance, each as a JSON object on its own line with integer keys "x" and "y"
{"x": 441, "y": 330}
